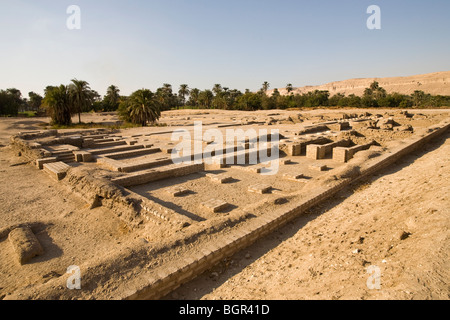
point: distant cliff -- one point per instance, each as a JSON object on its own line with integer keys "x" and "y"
{"x": 437, "y": 83}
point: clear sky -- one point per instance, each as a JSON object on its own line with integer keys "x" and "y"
{"x": 237, "y": 43}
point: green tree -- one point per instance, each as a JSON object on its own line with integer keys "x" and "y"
{"x": 418, "y": 98}
{"x": 81, "y": 96}
{"x": 334, "y": 100}
{"x": 249, "y": 101}
{"x": 393, "y": 100}
{"x": 183, "y": 92}
{"x": 57, "y": 102}
{"x": 205, "y": 98}
{"x": 279, "y": 101}
{"x": 111, "y": 100}
{"x": 166, "y": 97}
{"x": 265, "y": 87}
{"x": 352, "y": 101}
{"x": 11, "y": 101}
{"x": 143, "y": 107}
{"x": 317, "y": 98}
{"x": 35, "y": 101}
{"x": 217, "y": 89}
{"x": 267, "y": 103}
{"x": 289, "y": 88}
{"x": 193, "y": 97}
{"x": 374, "y": 86}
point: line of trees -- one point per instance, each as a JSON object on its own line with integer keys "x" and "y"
{"x": 12, "y": 102}
{"x": 374, "y": 96}
{"x": 144, "y": 106}
{"x": 64, "y": 101}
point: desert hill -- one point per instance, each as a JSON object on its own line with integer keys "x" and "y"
{"x": 437, "y": 83}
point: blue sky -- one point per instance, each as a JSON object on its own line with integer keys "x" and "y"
{"x": 237, "y": 43}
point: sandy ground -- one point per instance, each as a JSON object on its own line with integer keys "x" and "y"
{"x": 323, "y": 255}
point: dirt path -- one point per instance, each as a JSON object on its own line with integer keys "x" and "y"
{"x": 398, "y": 221}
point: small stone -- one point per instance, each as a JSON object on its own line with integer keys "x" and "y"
{"x": 365, "y": 263}
{"x": 404, "y": 235}
{"x": 247, "y": 256}
{"x": 280, "y": 201}
{"x": 25, "y": 244}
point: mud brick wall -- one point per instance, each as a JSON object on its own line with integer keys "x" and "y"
{"x": 30, "y": 150}
{"x": 339, "y": 126}
{"x": 155, "y": 175}
{"x": 343, "y": 154}
{"x": 316, "y": 152}
{"x": 297, "y": 149}
{"x": 132, "y": 153}
{"x": 144, "y": 165}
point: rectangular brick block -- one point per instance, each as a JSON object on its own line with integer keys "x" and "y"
{"x": 220, "y": 178}
{"x": 215, "y": 205}
{"x": 318, "y": 167}
{"x": 82, "y": 156}
{"x": 313, "y": 151}
{"x": 340, "y": 154}
{"x": 177, "y": 191}
{"x": 40, "y": 162}
{"x": 57, "y": 170}
{"x": 293, "y": 176}
{"x": 260, "y": 188}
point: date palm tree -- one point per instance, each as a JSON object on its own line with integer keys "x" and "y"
{"x": 265, "y": 87}
{"x": 81, "y": 96}
{"x": 289, "y": 88}
{"x": 113, "y": 92}
{"x": 217, "y": 89}
{"x": 194, "y": 94}
{"x": 183, "y": 92}
{"x": 206, "y": 98}
{"x": 57, "y": 103}
{"x": 143, "y": 107}
{"x": 112, "y": 98}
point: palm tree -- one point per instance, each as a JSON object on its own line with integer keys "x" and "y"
{"x": 112, "y": 98}
{"x": 81, "y": 96}
{"x": 374, "y": 86}
{"x": 143, "y": 107}
{"x": 183, "y": 92}
{"x": 58, "y": 104}
{"x": 265, "y": 87}
{"x": 375, "y": 91}
{"x": 165, "y": 96}
{"x": 205, "y": 98}
{"x": 289, "y": 88}
{"x": 418, "y": 97}
{"x": 194, "y": 94}
{"x": 167, "y": 87}
{"x": 113, "y": 93}
{"x": 217, "y": 89}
